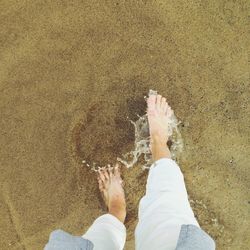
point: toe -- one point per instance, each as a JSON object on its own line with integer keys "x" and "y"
{"x": 101, "y": 175}
{"x": 101, "y": 187}
{"x": 117, "y": 171}
{"x": 158, "y": 102}
{"x": 105, "y": 173}
{"x": 163, "y": 102}
{"x": 151, "y": 101}
{"x": 110, "y": 172}
{"x": 169, "y": 112}
{"x": 105, "y": 178}
{"x": 165, "y": 108}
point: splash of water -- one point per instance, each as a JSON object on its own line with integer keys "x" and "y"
{"x": 142, "y": 142}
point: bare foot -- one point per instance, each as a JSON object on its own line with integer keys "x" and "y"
{"x": 110, "y": 185}
{"x": 159, "y": 113}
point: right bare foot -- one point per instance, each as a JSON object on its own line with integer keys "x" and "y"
{"x": 159, "y": 113}
{"x": 110, "y": 185}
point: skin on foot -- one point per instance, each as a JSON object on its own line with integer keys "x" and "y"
{"x": 111, "y": 187}
{"x": 159, "y": 113}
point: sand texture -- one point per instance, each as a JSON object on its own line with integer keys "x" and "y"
{"x": 72, "y": 74}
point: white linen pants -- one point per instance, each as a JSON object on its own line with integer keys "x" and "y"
{"x": 162, "y": 211}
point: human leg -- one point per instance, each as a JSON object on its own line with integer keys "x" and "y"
{"x": 165, "y": 207}
{"x": 108, "y": 231}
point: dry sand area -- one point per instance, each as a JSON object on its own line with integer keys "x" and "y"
{"x": 72, "y": 74}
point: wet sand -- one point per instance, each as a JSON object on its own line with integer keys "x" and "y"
{"x": 72, "y": 74}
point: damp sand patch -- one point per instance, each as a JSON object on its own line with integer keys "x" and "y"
{"x": 141, "y": 149}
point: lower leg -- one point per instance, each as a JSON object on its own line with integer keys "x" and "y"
{"x": 108, "y": 231}
{"x": 165, "y": 206}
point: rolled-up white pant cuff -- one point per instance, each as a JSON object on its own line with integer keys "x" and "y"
{"x": 107, "y": 233}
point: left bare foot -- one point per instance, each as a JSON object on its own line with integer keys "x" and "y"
{"x": 110, "y": 185}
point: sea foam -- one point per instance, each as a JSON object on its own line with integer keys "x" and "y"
{"x": 142, "y": 141}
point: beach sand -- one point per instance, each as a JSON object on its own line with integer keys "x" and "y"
{"x": 72, "y": 75}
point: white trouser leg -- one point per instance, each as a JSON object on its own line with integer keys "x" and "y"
{"x": 107, "y": 233}
{"x": 164, "y": 208}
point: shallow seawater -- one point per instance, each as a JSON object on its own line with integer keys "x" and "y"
{"x": 72, "y": 77}
{"x": 142, "y": 143}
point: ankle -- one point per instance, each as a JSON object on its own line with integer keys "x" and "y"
{"x": 159, "y": 148}
{"x": 117, "y": 207}
{"x": 157, "y": 139}
{"x": 119, "y": 213}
